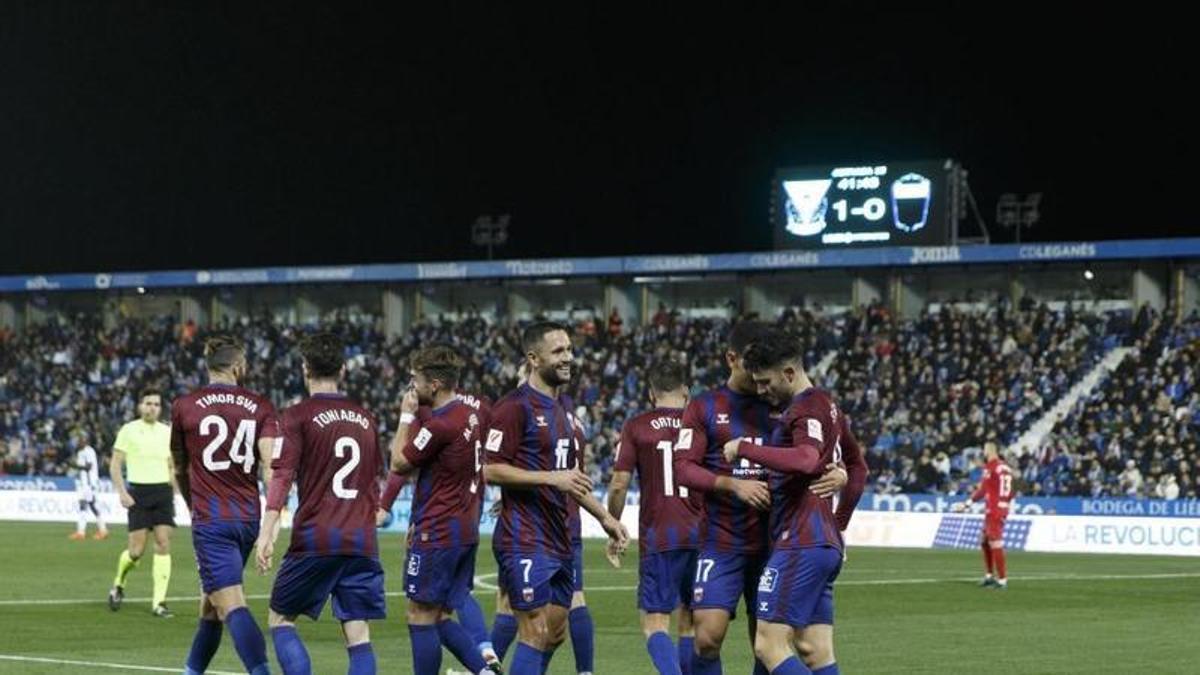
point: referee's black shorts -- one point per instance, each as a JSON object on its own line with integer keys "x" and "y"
{"x": 153, "y": 504}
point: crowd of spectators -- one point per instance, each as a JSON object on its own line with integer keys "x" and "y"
{"x": 924, "y": 395}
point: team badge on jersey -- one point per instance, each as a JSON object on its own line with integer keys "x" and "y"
{"x": 494, "y": 439}
{"x": 414, "y": 565}
{"x": 527, "y": 594}
{"x": 541, "y": 421}
{"x": 698, "y": 595}
{"x": 722, "y": 418}
{"x": 422, "y": 439}
{"x": 766, "y": 583}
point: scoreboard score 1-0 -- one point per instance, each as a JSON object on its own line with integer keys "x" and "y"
{"x": 886, "y": 204}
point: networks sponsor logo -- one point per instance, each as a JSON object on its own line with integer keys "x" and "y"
{"x": 1056, "y": 251}
{"x": 935, "y": 254}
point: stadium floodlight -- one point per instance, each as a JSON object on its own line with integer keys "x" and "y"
{"x": 490, "y": 231}
{"x": 1017, "y": 212}
{"x": 1089, "y": 275}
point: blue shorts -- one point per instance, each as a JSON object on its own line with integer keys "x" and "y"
{"x": 440, "y": 576}
{"x": 577, "y": 559}
{"x": 665, "y": 580}
{"x": 533, "y": 580}
{"x": 722, "y": 578}
{"x": 304, "y": 583}
{"x": 796, "y": 587}
{"x": 222, "y": 548}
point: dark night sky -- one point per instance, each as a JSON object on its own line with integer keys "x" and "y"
{"x": 177, "y": 135}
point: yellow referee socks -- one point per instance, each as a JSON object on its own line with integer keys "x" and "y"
{"x": 162, "y": 577}
{"x": 125, "y": 565}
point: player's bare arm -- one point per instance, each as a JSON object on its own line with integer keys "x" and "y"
{"x": 180, "y": 466}
{"x": 266, "y": 446}
{"x": 617, "y": 534}
{"x": 118, "y": 478}
{"x": 408, "y": 411}
{"x": 618, "y": 488}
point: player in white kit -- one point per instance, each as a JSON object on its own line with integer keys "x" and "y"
{"x": 86, "y": 485}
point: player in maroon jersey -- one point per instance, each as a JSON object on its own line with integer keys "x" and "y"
{"x": 216, "y": 432}
{"x": 529, "y": 454}
{"x": 795, "y": 592}
{"x": 734, "y": 547}
{"x": 669, "y": 518}
{"x": 996, "y": 490}
{"x": 443, "y": 532}
{"x": 331, "y": 450}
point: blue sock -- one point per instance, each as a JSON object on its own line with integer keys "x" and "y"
{"x": 504, "y": 630}
{"x": 703, "y": 666}
{"x": 455, "y": 638}
{"x": 426, "y": 649}
{"x": 687, "y": 651}
{"x": 362, "y": 659}
{"x": 526, "y": 661}
{"x": 470, "y": 615}
{"x": 204, "y": 645}
{"x": 760, "y": 669}
{"x": 663, "y": 654}
{"x": 290, "y": 652}
{"x": 791, "y": 666}
{"x": 830, "y": 669}
{"x": 248, "y": 640}
{"x": 583, "y": 639}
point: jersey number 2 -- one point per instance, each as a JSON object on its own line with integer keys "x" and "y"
{"x": 340, "y": 448}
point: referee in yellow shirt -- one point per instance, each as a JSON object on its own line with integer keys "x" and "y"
{"x": 143, "y": 447}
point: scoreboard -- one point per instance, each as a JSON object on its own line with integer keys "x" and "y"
{"x": 884, "y": 204}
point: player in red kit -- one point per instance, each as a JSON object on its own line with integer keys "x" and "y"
{"x": 220, "y": 435}
{"x": 529, "y": 455}
{"x": 443, "y": 533}
{"x": 331, "y": 450}
{"x": 795, "y": 592}
{"x": 997, "y": 488}
{"x": 669, "y": 518}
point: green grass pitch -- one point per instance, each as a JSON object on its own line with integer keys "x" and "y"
{"x": 898, "y": 611}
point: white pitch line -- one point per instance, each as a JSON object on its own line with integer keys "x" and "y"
{"x": 100, "y": 664}
{"x": 488, "y": 587}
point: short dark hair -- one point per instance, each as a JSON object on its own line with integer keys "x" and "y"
{"x": 438, "y": 362}
{"x": 323, "y": 353}
{"x": 667, "y": 375}
{"x": 535, "y": 332}
{"x": 222, "y": 352}
{"x": 774, "y": 349}
{"x": 745, "y": 333}
{"x": 149, "y": 391}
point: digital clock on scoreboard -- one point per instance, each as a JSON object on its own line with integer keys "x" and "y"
{"x": 885, "y": 204}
